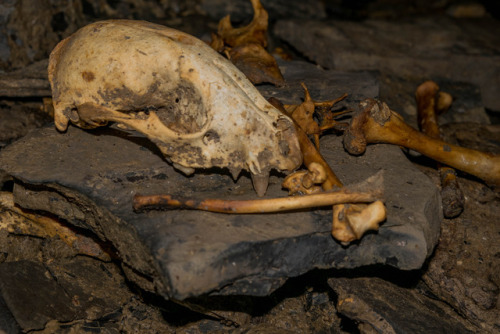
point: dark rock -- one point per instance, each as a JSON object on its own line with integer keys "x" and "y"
{"x": 6, "y": 9}
{"x": 18, "y": 118}
{"x": 465, "y": 269}
{"x": 96, "y": 288}
{"x": 241, "y": 10}
{"x": 382, "y": 307}
{"x": 89, "y": 178}
{"x": 322, "y": 84}
{"x": 8, "y": 324}
{"x": 30, "y": 81}
{"x": 484, "y": 138}
{"x": 427, "y": 48}
{"x": 187, "y": 253}
{"x": 33, "y": 296}
{"x": 32, "y": 28}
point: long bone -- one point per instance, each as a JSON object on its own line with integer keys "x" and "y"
{"x": 378, "y": 124}
{"x": 431, "y": 101}
{"x": 370, "y": 190}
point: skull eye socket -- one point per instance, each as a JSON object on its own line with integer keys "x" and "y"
{"x": 211, "y": 137}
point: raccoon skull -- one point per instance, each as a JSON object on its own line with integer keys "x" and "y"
{"x": 197, "y": 107}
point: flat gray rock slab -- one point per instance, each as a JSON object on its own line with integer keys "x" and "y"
{"x": 89, "y": 178}
{"x": 429, "y": 48}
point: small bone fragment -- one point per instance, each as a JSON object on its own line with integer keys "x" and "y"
{"x": 254, "y": 32}
{"x": 354, "y": 220}
{"x": 309, "y": 152}
{"x": 444, "y": 101}
{"x": 257, "y": 64}
{"x": 378, "y": 124}
{"x": 367, "y": 191}
{"x": 245, "y": 47}
{"x": 429, "y": 101}
{"x": 294, "y": 184}
{"x": 306, "y": 182}
{"x": 303, "y": 114}
{"x": 316, "y": 175}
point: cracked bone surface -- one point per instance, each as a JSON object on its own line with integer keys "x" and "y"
{"x": 196, "y": 106}
{"x": 378, "y": 124}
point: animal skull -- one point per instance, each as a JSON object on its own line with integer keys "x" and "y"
{"x": 191, "y": 102}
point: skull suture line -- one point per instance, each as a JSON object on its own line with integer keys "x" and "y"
{"x": 191, "y": 102}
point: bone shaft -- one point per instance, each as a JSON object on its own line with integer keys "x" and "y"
{"x": 256, "y": 206}
{"x": 483, "y": 165}
{"x": 426, "y": 104}
{"x": 427, "y": 107}
{"x": 310, "y": 154}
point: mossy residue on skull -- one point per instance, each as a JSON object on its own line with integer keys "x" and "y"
{"x": 184, "y": 154}
{"x": 264, "y": 157}
{"x": 185, "y": 112}
{"x": 181, "y": 108}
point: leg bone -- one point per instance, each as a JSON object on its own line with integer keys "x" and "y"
{"x": 378, "y": 124}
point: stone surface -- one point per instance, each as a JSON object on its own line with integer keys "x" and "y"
{"x": 465, "y": 269}
{"x": 428, "y": 48}
{"x": 30, "y": 81}
{"x": 322, "y": 84}
{"x": 241, "y": 10}
{"x": 382, "y": 307}
{"x": 89, "y": 177}
{"x": 187, "y": 253}
{"x": 31, "y": 28}
{"x": 18, "y": 283}
{"x": 8, "y": 324}
{"x": 47, "y": 278}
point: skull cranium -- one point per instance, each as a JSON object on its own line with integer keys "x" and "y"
{"x": 191, "y": 102}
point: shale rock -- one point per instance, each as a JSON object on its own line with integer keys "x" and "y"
{"x": 241, "y": 10}
{"x": 19, "y": 280}
{"x": 427, "y": 48}
{"x": 381, "y": 307}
